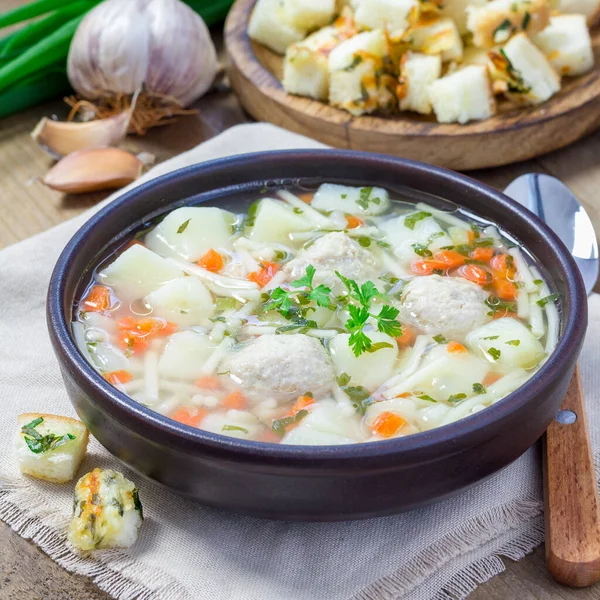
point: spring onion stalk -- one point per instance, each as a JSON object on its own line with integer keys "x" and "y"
{"x": 32, "y": 10}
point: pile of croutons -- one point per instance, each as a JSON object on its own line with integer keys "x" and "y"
{"x": 449, "y": 57}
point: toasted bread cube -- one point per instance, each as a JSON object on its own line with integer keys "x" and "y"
{"x": 457, "y": 11}
{"x": 306, "y": 64}
{"x": 589, "y": 8}
{"x": 50, "y": 447}
{"x": 107, "y": 512}
{"x": 268, "y": 26}
{"x": 463, "y": 96}
{"x": 391, "y": 15}
{"x": 309, "y": 14}
{"x": 357, "y": 83}
{"x": 495, "y": 22}
{"x": 522, "y": 72}
{"x": 436, "y": 37}
{"x": 474, "y": 56}
{"x": 417, "y": 73}
{"x": 566, "y": 43}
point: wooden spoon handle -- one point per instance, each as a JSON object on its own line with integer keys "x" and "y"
{"x": 571, "y": 495}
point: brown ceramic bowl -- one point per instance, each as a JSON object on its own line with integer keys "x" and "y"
{"x": 312, "y": 482}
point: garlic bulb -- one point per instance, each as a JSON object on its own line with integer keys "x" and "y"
{"x": 160, "y": 46}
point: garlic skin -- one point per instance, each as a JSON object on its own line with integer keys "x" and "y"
{"x": 159, "y": 46}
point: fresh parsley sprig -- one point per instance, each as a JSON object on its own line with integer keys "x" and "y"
{"x": 39, "y": 443}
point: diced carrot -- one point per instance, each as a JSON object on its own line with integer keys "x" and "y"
{"x": 306, "y": 197}
{"x": 475, "y": 274}
{"x": 450, "y": 258}
{"x": 407, "y": 337}
{"x": 427, "y": 267}
{"x": 404, "y": 395}
{"x": 98, "y": 299}
{"x": 471, "y": 236}
{"x": 116, "y": 377}
{"x": 506, "y": 313}
{"x": 189, "y": 417}
{"x": 353, "y": 222}
{"x": 301, "y": 403}
{"x": 212, "y": 261}
{"x": 503, "y": 266}
{"x": 135, "y": 334}
{"x": 387, "y": 424}
{"x": 482, "y": 254}
{"x": 266, "y": 273}
{"x": 455, "y": 347}
{"x": 491, "y": 378}
{"x": 208, "y": 382}
{"x": 132, "y": 343}
{"x": 504, "y": 289}
{"x": 235, "y": 400}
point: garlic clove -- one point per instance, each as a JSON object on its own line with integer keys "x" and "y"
{"x": 59, "y": 138}
{"x": 94, "y": 169}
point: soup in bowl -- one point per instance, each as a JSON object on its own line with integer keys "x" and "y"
{"x": 316, "y": 335}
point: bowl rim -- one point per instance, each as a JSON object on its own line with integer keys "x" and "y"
{"x": 129, "y": 412}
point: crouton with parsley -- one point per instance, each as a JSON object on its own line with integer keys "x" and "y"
{"x": 463, "y": 96}
{"x": 306, "y": 64}
{"x": 269, "y": 26}
{"x": 495, "y": 22}
{"x": 434, "y": 35}
{"x": 309, "y": 14}
{"x": 107, "y": 512}
{"x": 358, "y": 81}
{"x": 50, "y": 447}
{"x": 589, "y": 8}
{"x": 390, "y": 15}
{"x": 417, "y": 73}
{"x": 522, "y": 73}
{"x": 567, "y": 45}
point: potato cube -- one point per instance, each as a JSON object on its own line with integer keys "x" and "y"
{"x": 351, "y": 200}
{"x": 566, "y": 43}
{"x": 50, "y": 447}
{"x": 268, "y": 26}
{"x": 522, "y": 72}
{"x": 391, "y": 15}
{"x": 436, "y": 37}
{"x": 457, "y": 11}
{"x": 475, "y": 56}
{"x": 357, "y": 83}
{"x": 495, "y": 22}
{"x": 107, "y": 512}
{"x": 589, "y": 8}
{"x": 308, "y": 14}
{"x": 417, "y": 73}
{"x": 185, "y": 354}
{"x": 274, "y": 222}
{"x": 463, "y": 96}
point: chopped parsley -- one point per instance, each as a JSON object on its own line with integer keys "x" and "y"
{"x": 491, "y": 337}
{"x": 344, "y": 196}
{"x": 411, "y": 220}
{"x": 365, "y": 198}
{"x": 360, "y": 396}
{"x": 183, "y": 226}
{"x": 422, "y": 250}
{"x": 513, "y": 342}
{"x": 551, "y": 298}
{"x": 479, "y": 388}
{"x": 279, "y": 426}
{"x": 440, "y": 339}
{"x": 297, "y": 210}
{"x": 494, "y": 353}
{"x": 526, "y": 19}
{"x": 364, "y": 241}
{"x": 234, "y": 428}
{"x": 39, "y": 443}
{"x": 426, "y": 398}
{"x": 538, "y": 281}
{"x": 456, "y": 398}
{"x": 356, "y": 60}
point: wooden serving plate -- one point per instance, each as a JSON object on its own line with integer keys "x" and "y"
{"x": 512, "y": 135}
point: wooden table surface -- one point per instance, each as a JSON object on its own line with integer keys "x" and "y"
{"x": 27, "y": 208}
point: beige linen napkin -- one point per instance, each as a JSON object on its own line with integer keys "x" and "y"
{"x": 187, "y": 551}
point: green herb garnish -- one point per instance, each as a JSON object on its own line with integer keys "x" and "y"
{"x": 440, "y": 339}
{"x": 356, "y": 60}
{"x": 491, "y": 337}
{"x": 538, "y": 281}
{"x": 426, "y": 398}
{"x": 526, "y": 19}
{"x": 234, "y": 428}
{"x": 364, "y": 241}
{"x": 280, "y": 426}
{"x": 136, "y": 502}
{"x": 365, "y": 197}
{"x": 494, "y": 353}
{"x": 422, "y": 250}
{"x": 479, "y": 388}
{"x": 39, "y": 443}
{"x": 513, "y": 342}
{"x": 551, "y": 298}
{"x": 411, "y": 220}
{"x": 183, "y": 226}
{"x": 456, "y": 398}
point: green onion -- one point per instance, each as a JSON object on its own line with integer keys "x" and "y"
{"x": 29, "y": 11}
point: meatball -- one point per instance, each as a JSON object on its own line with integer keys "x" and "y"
{"x": 450, "y": 306}
{"x": 334, "y": 252}
{"x": 282, "y": 366}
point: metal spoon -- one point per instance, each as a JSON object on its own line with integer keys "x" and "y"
{"x": 572, "y": 511}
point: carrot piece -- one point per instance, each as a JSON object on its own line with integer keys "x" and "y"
{"x": 116, "y": 377}
{"x": 306, "y": 197}
{"x": 504, "y": 289}
{"x": 98, "y": 299}
{"x": 266, "y": 273}
{"x": 387, "y": 424}
{"x": 211, "y": 261}
{"x": 475, "y": 274}
{"x": 407, "y": 337}
{"x": 450, "y": 258}
{"x": 491, "y": 378}
{"x": 506, "y": 313}
{"x": 482, "y": 254}
{"x": 189, "y": 417}
{"x": 427, "y": 267}
{"x": 301, "y": 403}
{"x": 208, "y": 382}
{"x": 235, "y": 400}
{"x": 503, "y": 266}
{"x": 134, "y": 335}
{"x": 353, "y": 222}
{"x": 404, "y": 395}
{"x": 455, "y": 347}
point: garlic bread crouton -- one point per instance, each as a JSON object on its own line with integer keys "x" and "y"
{"x": 309, "y": 14}
{"x": 495, "y": 22}
{"x": 436, "y": 36}
{"x": 457, "y": 11}
{"x": 306, "y": 64}
{"x": 462, "y": 96}
{"x": 268, "y": 26}
{"x": 107, "y": 512}
{"x": 567, "y": 45}
{"x": 357, "y": 80}
{"x": 522, "y": 72}
{"x": 589, "y": 8}
{"x": 474, "y": 56}
{"x": 417, "y": 72}
{"x": 391, "y": 15}
{"x": 50, "y": 447}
